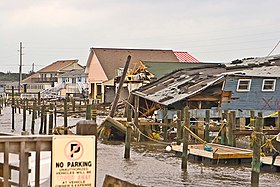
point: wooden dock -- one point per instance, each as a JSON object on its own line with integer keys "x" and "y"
{"x": 218, "y": 152}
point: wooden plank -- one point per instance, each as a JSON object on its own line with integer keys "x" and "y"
{"x": 109, "y": 122}
{"x": 232, "y": 155}
{"x": 23, "y": 179}
{"x": 37, "y": 165}
{"x": 6, "y": 171}
{"x": 201, "y": 152}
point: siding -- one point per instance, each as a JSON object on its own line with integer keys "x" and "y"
{"x": 255, "y": 99}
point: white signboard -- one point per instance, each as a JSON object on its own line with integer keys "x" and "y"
{"x": 73, "y": 161}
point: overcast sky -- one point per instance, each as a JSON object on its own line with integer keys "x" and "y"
{"x": 210, "y": 30}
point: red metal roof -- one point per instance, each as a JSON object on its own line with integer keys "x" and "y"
{"x": 185, "y": 57}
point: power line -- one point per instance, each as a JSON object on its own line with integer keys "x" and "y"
{"x": 274, "y": 48}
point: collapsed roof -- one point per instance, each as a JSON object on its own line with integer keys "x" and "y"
{"x": 181, "y": 85}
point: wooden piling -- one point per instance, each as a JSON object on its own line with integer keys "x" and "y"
{"x": 277, "y": 124}
{"x": 94, "y": 112}
{"x": 230, "y": 129}
{"x": 27, "y": 106}
{"x": 242, "y": 123}
{"x": 33, "y": 117}
{"x": 35, "y": 108}
{"x": 1, "y": 104}
{"x": 24, "y": 115}
{"x": 207, "y": 126}
{"x": 129, "y": 115}
{"x": 51, "y": 119}
{"x": 55, "y": 114}
{"x": 234, "y": 122}
{"x": 136, "y": 115}
{"x": 136, "y": 111}
{"x": 45, "y": 122}
{"x": 39, "y": 102}
{"x": 179, "y": 128}
{"x": 73, "y": 104}
{"x": 127, "y": 141}
{"x": 165, "y": 124}
{"x": 42, "y": 119}
{"x": 18, "y": 105}
{"x": 257, "y": 141}
{"x": 88, "y": 112}
{"x": 252, "y": 117}
{"x": 117, "y": 96}
{"x": 65, "y": 116}
{"x": 185, "y": 139}
{"x": 13, "y": 108}
{"x": 224, "y": 130}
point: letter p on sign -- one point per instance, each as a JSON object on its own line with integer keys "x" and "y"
{"x": 74, "y": 148}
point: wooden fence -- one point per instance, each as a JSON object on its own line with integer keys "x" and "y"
{"x": 22, "y": 145}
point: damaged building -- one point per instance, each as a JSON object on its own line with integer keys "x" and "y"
{"x": 249, "y": 84}
{"x": 199, "y": 88}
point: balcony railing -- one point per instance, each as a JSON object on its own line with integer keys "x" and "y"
{"x": 44, "y": 80}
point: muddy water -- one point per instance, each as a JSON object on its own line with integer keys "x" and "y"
{"x": 150, "y": 165}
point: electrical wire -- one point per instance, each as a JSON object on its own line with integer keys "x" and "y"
{"x": 274, "y": 48}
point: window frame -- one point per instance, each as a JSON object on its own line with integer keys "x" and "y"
{"x": 270, "y": 90}
{"x": 243, "y": 90}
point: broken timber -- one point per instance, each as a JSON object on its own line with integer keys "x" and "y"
{"x": 108, "y": 123}
{"x": 116, "y": 99}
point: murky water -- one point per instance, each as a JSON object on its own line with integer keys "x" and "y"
{"x": 150, "y": 165}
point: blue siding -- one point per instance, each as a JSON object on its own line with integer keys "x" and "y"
{"x": 255, "y": 99}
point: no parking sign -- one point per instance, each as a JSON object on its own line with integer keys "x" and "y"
{"x": 73, "y": 161}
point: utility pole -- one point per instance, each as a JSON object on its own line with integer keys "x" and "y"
{"x": 33, "y": 68}
{"x": 20, "y": 67}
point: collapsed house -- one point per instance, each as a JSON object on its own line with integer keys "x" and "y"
{"x": 199, "y": 88}
{"x": 247, "y": 85}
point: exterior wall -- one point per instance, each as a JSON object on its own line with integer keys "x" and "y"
{"x": 95, "y": 71}
{"x": 71, "y": 67}
{"x": 255, "y": 99}
{"x": 96, "y": 75}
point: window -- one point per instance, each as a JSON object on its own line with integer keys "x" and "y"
{"x": 244, "y": 85}
{"x": 268, "y": 85}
